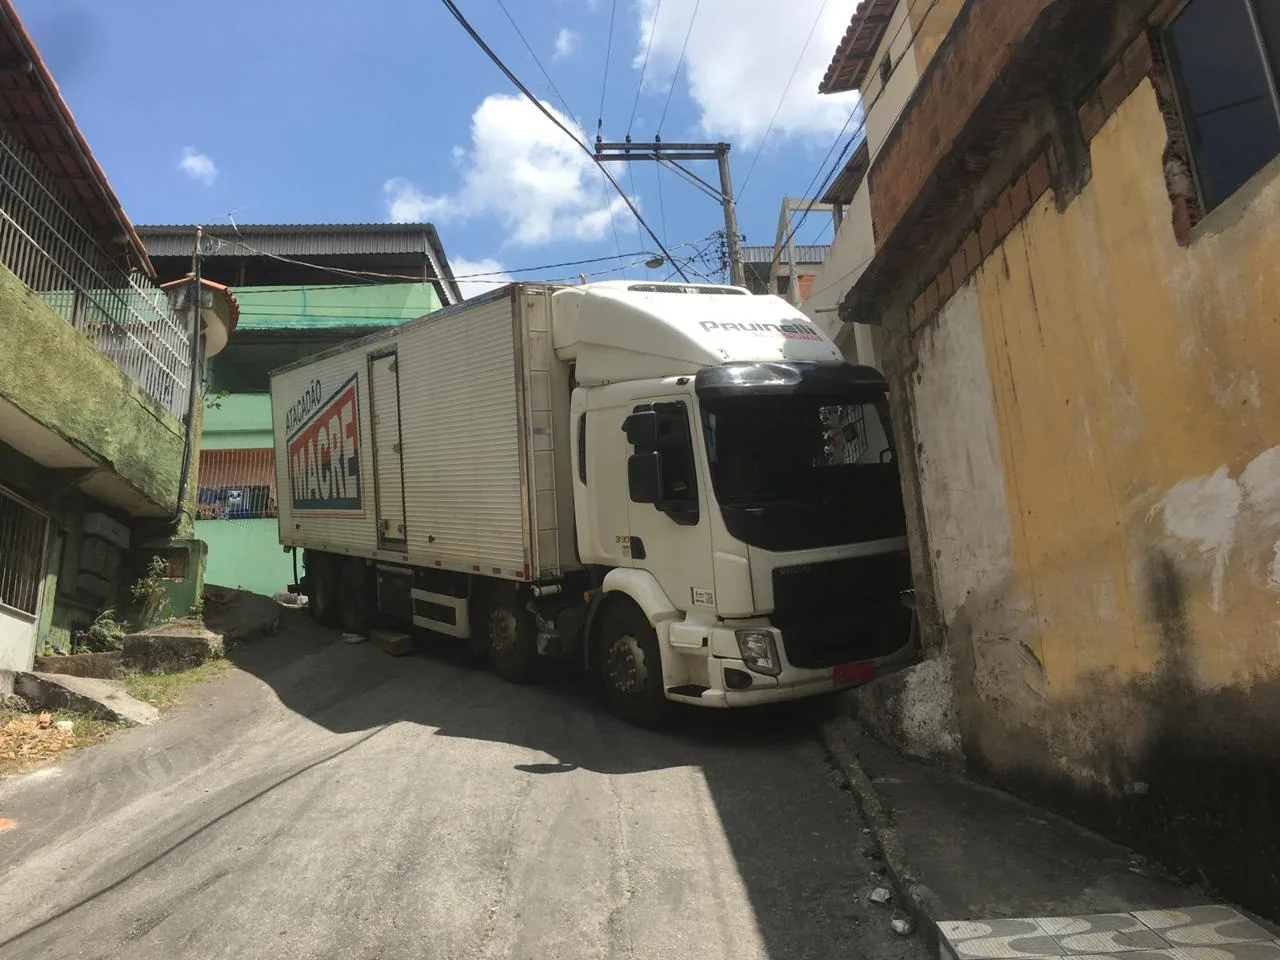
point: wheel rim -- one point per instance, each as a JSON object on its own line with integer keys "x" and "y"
{"x": 502, "y": 633}
{"x": 625, "y": 667}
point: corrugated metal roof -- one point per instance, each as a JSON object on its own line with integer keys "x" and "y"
{"x": 292, "y": 239}
{"x": 809, "y": 253}
{"x": 309, "y": 240}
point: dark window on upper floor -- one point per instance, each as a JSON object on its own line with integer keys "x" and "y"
{"x": 1224, "y": 55}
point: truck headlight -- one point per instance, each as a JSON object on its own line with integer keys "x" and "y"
{"x": 759, "y": 652}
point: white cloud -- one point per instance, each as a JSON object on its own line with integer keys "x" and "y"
{"x": 566, "y": 43}
{"x": 740, "y": 55}
{"x": 472, "y": 286}
{"x": 523, "y": 171}
{"x": 198, "y": 166}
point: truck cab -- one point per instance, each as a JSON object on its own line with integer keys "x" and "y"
{"x": 736, "y": 498}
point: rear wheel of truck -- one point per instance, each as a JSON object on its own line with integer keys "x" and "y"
{"x": 322, "y": 590}
{"x": 513, "y": 640}
{"x": 630, "y": 666}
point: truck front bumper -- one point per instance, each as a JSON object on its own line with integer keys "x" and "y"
{"x": 733, "y": 684}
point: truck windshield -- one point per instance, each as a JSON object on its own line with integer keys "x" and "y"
{"x": 796, "y": 472}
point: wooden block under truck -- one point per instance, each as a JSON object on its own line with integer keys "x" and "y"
{"x": 683, "y": 488}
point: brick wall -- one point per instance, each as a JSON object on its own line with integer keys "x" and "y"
{"x": 1018, "y": 197}
{"x": 983, "y": 39}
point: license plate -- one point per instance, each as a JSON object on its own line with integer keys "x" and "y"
{"x": 858, "y": 672}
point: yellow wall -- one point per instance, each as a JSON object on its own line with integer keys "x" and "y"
{"x": 1102, "y": 511}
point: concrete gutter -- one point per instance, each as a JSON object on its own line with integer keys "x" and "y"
{"x": 923, "y": 905}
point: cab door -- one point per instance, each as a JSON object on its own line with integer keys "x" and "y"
{"x": 669, "y": 506}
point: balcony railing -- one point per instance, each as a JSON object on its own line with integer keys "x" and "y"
{"x": 124, "y": 315}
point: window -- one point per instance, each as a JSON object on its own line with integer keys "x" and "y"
{"x": 662, "y": 471}
{"x": 236, "y": 484}
{"x": 1224, "y": 55}
{"x": 886, "y": 69}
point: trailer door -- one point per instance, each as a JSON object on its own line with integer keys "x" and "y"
{"x": 388, "y": 461}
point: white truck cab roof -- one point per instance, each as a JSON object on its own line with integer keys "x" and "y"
{"x": 634, "y": 330}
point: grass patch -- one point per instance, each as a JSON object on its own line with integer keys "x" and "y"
{"x": 164, "y": 690}
{"x": 25, "y": 744}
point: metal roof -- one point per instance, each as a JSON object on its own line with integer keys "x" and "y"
{"x": 32, "y": 109}
{"x": 809, "y": 253}
{"x": 308, "y": 240}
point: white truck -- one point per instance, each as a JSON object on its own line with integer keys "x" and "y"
{"x": 682, "y": 488}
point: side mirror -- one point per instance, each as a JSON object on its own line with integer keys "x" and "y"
{"x": 644, "y": 477}
{"x": 641, "y": 428}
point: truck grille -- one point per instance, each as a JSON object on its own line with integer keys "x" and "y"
{"x": 844, "y": 610}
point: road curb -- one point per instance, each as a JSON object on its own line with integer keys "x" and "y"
{"x": 926, "y": 909}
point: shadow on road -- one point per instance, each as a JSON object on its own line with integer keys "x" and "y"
{"x": 796, "y": 838}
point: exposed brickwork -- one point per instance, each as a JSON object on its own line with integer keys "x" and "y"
{"x": 979, "y": 49}
{"x": 997, "y": 223}
{"x": 1121, "y": 80}
{"x": 1186, "y": 208}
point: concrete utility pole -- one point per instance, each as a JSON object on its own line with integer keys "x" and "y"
{"x": 670, "y": 155}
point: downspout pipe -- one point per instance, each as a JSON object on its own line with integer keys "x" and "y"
{"x": 197, "y": 353}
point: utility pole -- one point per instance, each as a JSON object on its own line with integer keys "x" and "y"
{"x": 672, "y": 156}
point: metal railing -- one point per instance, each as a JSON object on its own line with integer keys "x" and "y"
{"x": 124, "y": 315}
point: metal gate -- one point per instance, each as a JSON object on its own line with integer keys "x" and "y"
{"x": 24, "y": 535}
{"x": 388, "y": 464}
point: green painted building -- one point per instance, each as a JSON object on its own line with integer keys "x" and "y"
{"x": 301, "y": 289}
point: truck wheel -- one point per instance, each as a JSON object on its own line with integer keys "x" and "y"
{"x": 322, "y": 591}
{"x": 353, "y": 599}
{"x": 630, "y": 666}
{"x": 513, "y": 643}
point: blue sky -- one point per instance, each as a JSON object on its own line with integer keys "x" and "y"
{"x": 335, "y": 111}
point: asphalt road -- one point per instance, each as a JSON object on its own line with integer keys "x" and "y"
{"x": 325, "y": 800}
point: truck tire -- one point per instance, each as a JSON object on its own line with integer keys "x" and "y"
{"x": 513, "y": 640}
{"x": 322, "y": 590}
{"x": 353, "y": 597}
{"x": 630, "y": 665}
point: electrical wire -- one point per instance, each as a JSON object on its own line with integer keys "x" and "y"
{"x": 452, "y": 7}
{"x": 782, "y": 99}
{"x": 342, "y": 271}
{"x": 604, "y": 84}
{"x": 644, "y": 67}
{"x": 679, "y": 63}
{"x": 861, "y": 130}
{"x": 554, "y": 89}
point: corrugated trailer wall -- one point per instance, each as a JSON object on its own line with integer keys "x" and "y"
{"x": 476, "y": 397}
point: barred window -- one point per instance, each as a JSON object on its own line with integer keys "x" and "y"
{"x": 236, "y": 485}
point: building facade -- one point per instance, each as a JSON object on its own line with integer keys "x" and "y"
{"x": 96, "y": 373}
{"x": 301, "y": 289}
{"x": 1070, "y": 214}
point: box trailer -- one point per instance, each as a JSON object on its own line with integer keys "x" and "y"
{"x": 657, "y": 481}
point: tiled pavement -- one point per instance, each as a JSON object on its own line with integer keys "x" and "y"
{"x": 1193, "y": 933}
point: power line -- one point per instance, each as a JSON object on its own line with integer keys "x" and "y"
{"x": 679, "y": 62}
{"x": 497, "y": 61}
{"x": 782, "y": 99}
{"x": 644, "y": 66}
{"x": 604, "y": 84}
{"x": 395, "y": 276}
{"x": 554, "y": 89}
{"x": 861, "y": 130}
